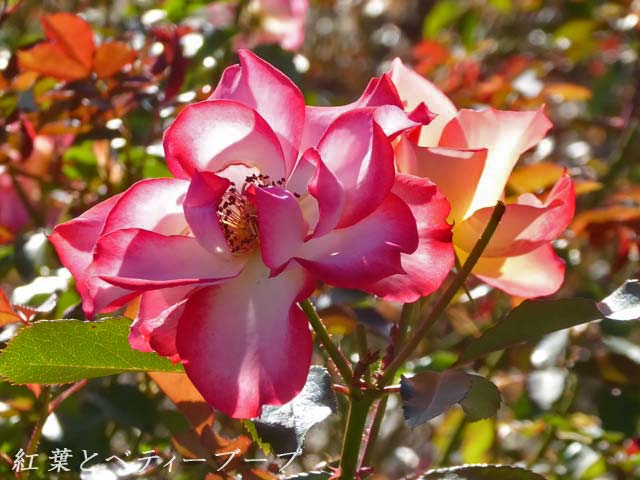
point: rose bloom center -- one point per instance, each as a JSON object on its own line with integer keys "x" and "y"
{"x": 238, "y": 215}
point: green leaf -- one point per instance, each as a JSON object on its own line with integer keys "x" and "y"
{"x": 443, "y": 14}
{"x": 477, "y": 440}
{"x": 63, "y": 351}
{"x": 251, "y": 429}
{"x": 503, "y": 6}
{"x": 429, "y": 394}
{"x": 482, "y": 401}
{"x": 285, "y": 427}
{"x": 530, "y": 320}
{"x": 481, "y": 472}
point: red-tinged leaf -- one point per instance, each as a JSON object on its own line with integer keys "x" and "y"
{"x": 51, "y": 60}
{"x": 515, "y": 65}
{"x": 25, "y": 80}
{"x": 605, "y": 216}
{"x": 7, "y": 313}
{"x": 201, "y": 439}
{"x": 5, "y": 304}
{"x": 5, "y": 235}
{"x": 111, "y": 57}
{"x": 71, "y": 34}
{"x": 7, "y": 318}
{"x": 430, "y": 54}
{"x": 184, "y": 395}
{"x": 35, "y": 388}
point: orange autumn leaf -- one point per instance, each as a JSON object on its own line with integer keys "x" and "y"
{"x": 201, "y": 439}
{"x": 70, "y": 53}
{"x": 567, "y": 91}
{"x": 534, "y": 177}
{"x": 7, "y": 313}
{"x": 605, "y": 215}
{"x": 111, "y": 57}
{"x": 583, "y": 187}
{"x": 179, "y": 389}
{"x": 24, "y": 81}
{"x": 5, "y": 235}
{"x": 50, "y": 60}
{"x": 72, "y": 34}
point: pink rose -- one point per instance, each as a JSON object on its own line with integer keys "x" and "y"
{"x": 255, "y": 216}
{"x": 470, "y": 155}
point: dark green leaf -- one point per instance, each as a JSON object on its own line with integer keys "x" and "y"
{"x": 285, "y": 427}
{"x": 482, "y": 400}
{"x": 63, "y": 351}
{"x": 429, "y": 394}
{"x": 530, "y": 320}
{"x": 481, "y": 472}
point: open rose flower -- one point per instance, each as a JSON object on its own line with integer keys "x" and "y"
{"x": 268, "y": 198}
{"x": 470, "y": 155}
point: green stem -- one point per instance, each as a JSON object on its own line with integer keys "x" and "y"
{"x": 34, "y": 440}
{"x": 419, "y": 333}
{"x": 374, "y": 431}
{"x": 321, "y": 332}
{"x": 410, "y": 312}
{"x": 358, "y": 411}
{"x": 363, "y": 348}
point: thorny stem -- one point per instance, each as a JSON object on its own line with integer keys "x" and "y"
{"x": 421, "y": 330}
{"x": 341, "y": 363}
{"x": 55, "y": 403}
{"x": 358, "y": 412}
{"x": 360, "y": 401}
{"x": 410, "y": 312}
{"x": 34, "y": 440}
{"x": 374, "y": 430}
{"x": 363, "y": 347}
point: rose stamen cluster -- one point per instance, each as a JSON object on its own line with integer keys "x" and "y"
{"x": 239, "y": 221}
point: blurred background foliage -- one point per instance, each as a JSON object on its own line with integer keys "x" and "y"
{"x": 571, "y": 402}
